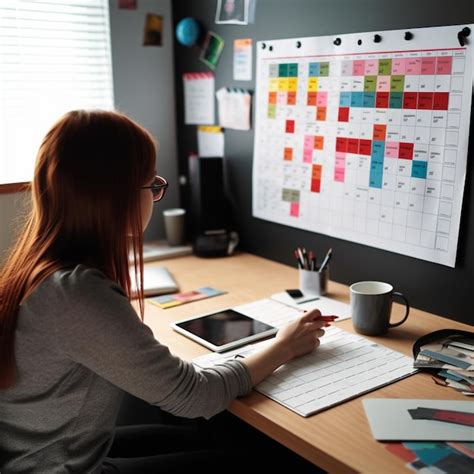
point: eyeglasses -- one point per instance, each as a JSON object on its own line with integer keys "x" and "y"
{"x": 158, "y": 188}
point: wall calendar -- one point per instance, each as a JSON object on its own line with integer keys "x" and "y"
{"x": 364, "y": 137}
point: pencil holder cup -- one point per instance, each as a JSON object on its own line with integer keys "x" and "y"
{"x": 314, "y": 283}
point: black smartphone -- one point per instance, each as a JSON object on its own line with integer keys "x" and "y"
{"x": 295, "y": 293}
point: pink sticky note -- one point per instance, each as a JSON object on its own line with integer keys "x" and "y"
{"x": 383, "y": 84}
{"x": 428, "y": 66}
{"x": 322, "y": 99}
{"x": 340, "y": 159}
{"x": 308, "y": 155}
{"x": 295, "y": 209}
{"x": 391, "y": 149}
{"x": 339, "y": 174}
{"x": 358, "y": 67}
{"x": 398, "y": 66}
{"x": 413, "y": 66}
{"x": 444, "y": 65}
{"x": 371, "y": 67}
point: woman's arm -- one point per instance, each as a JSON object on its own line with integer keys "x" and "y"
{"x": 96, "y": 327}
{"x": 293, "y": 340}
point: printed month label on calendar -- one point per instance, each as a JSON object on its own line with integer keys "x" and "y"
{"x": 366, "y": 141}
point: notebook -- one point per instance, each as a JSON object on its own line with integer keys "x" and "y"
{"x": 157, "y": 281}
{"x": 159, "y": 250}
{"x": 345, "y": 365}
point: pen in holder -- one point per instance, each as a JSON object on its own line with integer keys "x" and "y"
{"x": 314, "y": 283}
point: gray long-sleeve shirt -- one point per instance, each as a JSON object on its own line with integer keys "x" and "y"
{"x": 79, "y": 345}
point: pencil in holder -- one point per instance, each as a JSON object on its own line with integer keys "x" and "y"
{"x": 313, "y": 283}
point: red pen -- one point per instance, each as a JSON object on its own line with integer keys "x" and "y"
{"x": 328, "y": 317}
{"x": 300, "y": 263}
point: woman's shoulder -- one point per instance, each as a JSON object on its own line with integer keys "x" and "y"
{"x": 84, "y": 279}
{"x": 77, "y": 275}
{"x": 76, "y": 282}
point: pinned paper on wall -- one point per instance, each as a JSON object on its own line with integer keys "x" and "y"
{"x": 243, "y": 59}
{"x": 236, "y": 12}
{"x": 234, "y": 108}
{"x": 212, "y": 49}
{"x": 210, "y": 141}
{"x": 127, "y": 4}
{"x": 232, "y": 11}
{"x": 366, "y": 143}
{"x": 153, "y": 30}
{"x": 198, "y": 98}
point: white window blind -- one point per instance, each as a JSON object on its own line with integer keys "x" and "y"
{"x": 55, "y": 56}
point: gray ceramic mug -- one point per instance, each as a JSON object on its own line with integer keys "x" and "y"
{"x": 371, "y": 307}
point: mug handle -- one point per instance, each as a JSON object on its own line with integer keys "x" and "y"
{"x": 233, "y": 242}
{"x": 400, "y": 295}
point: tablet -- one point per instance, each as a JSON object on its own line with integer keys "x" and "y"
{"x": 223, "y": 330}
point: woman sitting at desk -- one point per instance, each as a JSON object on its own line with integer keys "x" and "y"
{"x": 70, "y": 341}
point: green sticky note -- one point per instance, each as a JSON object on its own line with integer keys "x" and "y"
{"x": 385, "y": 67}
{"x": 370, "y": 83}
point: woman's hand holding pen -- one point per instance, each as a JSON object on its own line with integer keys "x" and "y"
{"x": 297, "y": 338}
{"x": 302, "y": 335}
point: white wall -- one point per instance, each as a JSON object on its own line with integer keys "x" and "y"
{"x": 144, "y": 90}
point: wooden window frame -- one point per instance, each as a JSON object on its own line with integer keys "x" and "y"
{"x": 11, "y": 188}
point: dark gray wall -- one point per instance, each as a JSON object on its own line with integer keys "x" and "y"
{"x": 435, "y": 288}
{"x": 144, "y": 90}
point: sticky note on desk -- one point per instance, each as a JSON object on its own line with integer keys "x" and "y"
{"x": 176, "y": 299}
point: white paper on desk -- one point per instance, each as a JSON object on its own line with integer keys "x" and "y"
{"x": 234, "y": 108}
{"x": 324, "y": 304}
{"x": 210, "y": 141}
{"x": 199, "y": 98}
{"x": 390, "y": 421}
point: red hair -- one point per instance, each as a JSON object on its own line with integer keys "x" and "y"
{"x": 86, "y": 209}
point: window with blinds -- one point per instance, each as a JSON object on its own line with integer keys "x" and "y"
{"x": 55, "y": 56}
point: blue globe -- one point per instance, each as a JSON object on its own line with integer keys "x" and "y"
{"x": 187, "y": 31}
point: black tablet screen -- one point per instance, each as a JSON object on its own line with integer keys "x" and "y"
{"x": 224, "y": 327}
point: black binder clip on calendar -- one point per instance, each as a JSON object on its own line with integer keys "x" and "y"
{"x": 463, "y": 34}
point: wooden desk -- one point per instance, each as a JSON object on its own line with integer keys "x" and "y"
{"x": 339, "y": 439}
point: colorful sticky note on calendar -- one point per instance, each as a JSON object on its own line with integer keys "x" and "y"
{"x": 176, "y": 299}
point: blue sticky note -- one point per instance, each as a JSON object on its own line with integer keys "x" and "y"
{"x": 207, "y": 290}
{"x": 163, "y": 299}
